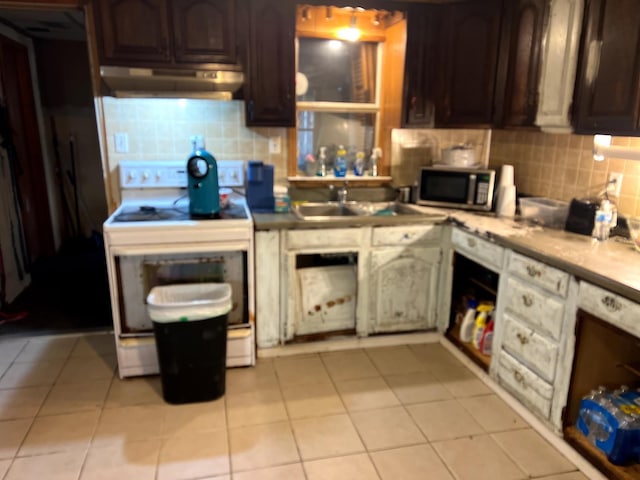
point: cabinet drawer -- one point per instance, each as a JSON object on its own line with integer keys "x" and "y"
{"x": 535, "y": 351}
{"x": 328, "y": 238}
{"x": 530, "y": 389}
{"x": 406, "y": 235}
{"x": 617, "y": 310}
{"x": 478, "y": 249}
{"x": 539, "y": 310}
{"x": 538, "y": 273}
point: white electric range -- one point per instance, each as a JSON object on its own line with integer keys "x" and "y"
{"x": 151, "y": 240}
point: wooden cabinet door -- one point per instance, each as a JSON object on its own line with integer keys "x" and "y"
{"x": 420, "y": 66}
{"x": 402, "y": 288}
{"x": 519, "y": 72}
{"x": 133, "y": 31}
{"x": 607, "y": 96}
{"x": 270, "y": 69}
{"x": 469, "y": 47}
{"x": 204, "y": 31}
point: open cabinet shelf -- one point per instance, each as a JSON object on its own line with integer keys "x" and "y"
{"x": 577, "y": 440}
{"x": 483, "y": 361}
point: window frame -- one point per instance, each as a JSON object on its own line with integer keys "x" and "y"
{"x": 338, "y": 107}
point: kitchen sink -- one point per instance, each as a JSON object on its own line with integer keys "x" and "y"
{"x": 334, "y": 210}
{"x": 322, "y": 211}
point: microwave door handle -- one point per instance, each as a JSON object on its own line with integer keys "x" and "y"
{"x": 471, "y": 193}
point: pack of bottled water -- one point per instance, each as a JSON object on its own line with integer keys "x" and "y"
{"x": 611, "y": 421}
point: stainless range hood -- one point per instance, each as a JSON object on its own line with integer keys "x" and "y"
{"x": 127, "y": 82}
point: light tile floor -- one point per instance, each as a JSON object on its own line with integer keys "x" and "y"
{"x": 409, "y": 412}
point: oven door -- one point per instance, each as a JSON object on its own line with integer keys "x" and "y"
{"x": 136, "y": 274}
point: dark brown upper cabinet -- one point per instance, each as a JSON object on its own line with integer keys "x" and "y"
{"x": 420, "y": 67}
{"x": 269, "y": 88}
{"x": 607, "y": 94}
{"x": 524, "y": 24}
{"x": 166, "y": 33}
{"x": 451, "y": 64}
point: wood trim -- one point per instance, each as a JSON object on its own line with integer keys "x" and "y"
{"x": 292, "y": 151}
{"x": 47, "y": 4}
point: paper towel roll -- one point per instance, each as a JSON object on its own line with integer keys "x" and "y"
{"x": 506, "y": 175}
{"x": 506, "y": 201}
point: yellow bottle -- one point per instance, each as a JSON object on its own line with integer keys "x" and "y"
{"x": 481, "y": 322}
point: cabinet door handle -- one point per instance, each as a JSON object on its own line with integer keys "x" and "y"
{"x": 533, "y": 272}
{"x": 527, "y": 300}
{"x": 611, "y": 304}
{"x": 471, "y": 242}
{"x": 523, "y": 338}
{"x": 519, "y": 377}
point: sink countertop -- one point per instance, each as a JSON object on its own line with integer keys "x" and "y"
{"x": 613, "y": 264}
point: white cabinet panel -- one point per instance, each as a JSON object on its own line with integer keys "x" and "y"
{"x": 327, "y": 299}
{"x": 535, "y": 351}
{"x": 402, "y": 288}
{"x": 541, "y": 311}
{"x": 538, "y": 273}
{"x": 321, "y": 239}
{"x": 406, "y": 235}
{"x": 525, "y": 384}
{"x": 482, "y": 251}
{"x": 613, "y": 308}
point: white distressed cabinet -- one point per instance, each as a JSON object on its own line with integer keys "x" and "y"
{"x": 536, "y": 304}
{"x": 403, "y": 288}
{"x": 403, "y": 277}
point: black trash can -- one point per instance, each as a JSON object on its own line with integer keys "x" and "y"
{"x": 190, "y": 327}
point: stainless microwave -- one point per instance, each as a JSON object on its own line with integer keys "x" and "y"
{"x": 470, "y": 189}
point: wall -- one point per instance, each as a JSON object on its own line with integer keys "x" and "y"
{"x": 562, "y": 166}
{"x": 159, "y": 129}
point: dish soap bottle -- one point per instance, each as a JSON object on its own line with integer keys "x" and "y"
{"x": 340, "y": 166}
{"x": 322, "y": 163}
{"x": 358, "y": 166}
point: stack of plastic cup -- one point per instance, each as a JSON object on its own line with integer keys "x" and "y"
{"x": 506, "y": 205}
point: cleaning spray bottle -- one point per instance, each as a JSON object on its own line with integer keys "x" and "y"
{"x": 469, "y": 321}
{"x": 376, "y": 154}
{"x": 481, "y": 322}
{"x": 322, "y": 163}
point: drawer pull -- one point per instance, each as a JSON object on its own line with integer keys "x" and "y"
{"x": 471, "y": 242}
{"x": 527, "y": 300}
{"x": 611, "y": 303}
{"x": 523, "y": 338}
{"x": 518, "y": 376}
{"x": 533, "y": 272}
{"x": 406, "y": 236}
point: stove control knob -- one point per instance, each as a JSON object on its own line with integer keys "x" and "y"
{"x": 145, "y": 175}
{"x": 131, "y": 176}
{"x": 158, "y": 176}
{"x": 234, "y": 176}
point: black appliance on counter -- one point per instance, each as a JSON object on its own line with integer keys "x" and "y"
{"x": 581, "y": 216}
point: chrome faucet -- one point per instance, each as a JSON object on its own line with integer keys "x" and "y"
{"x": 342, "y": 193}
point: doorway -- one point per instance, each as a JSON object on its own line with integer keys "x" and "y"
{"x": 59, "y": 284}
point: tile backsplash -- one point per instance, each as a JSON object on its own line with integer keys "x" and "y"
{"x": 159, "y": 129}
{"x": 562, "y": 166}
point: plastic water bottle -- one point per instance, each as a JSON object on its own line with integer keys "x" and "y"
{"x": 603, "y": 221}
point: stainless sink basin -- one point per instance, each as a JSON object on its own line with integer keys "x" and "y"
{"x": 382, "y": 208}
{"x": 322, "y": 211}
{"x": 334, "y": 210}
